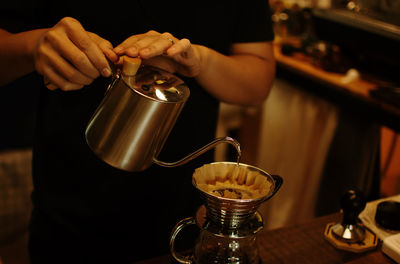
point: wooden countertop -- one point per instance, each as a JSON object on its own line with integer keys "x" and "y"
{"x": 355, "y": 91}
{"x": 303, "y": 244}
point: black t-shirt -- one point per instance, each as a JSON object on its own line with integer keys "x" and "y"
{"x": 81, "y": 203}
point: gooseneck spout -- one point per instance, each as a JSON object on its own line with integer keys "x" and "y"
{"x": 200, "y": 151}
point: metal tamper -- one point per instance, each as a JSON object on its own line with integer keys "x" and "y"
{"x": 350, "y": 229}
{"x": 351, "y": 234}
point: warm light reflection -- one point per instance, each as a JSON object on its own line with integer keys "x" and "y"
{"x": 347, "y": 234}
{"x": 160, "y": 95}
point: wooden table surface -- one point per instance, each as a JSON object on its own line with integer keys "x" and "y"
{"x": 302, "y": 244}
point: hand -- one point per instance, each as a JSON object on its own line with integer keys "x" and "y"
{"x": 163, "y": 51}
{"x": 69, "y": 57}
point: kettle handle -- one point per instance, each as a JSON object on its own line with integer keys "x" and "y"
{"x": 178, "y": 227}
{"x": 114, "y": 79}
{"x": 200, "y": 151}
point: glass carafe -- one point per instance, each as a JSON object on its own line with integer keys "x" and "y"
{"x": 218, "y": 244}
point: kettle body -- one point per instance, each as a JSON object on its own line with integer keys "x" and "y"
{"x": 134, "y": 119}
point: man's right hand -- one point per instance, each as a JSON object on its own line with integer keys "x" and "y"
{"x": 69, "y": 57}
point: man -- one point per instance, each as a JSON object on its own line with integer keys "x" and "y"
{"x": 85, "y": 211}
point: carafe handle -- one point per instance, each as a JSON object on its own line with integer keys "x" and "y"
{"x": 278, "y": 183}
{"x": 178, "y": 227}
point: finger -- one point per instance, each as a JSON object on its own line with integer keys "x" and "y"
{"x": 105, "y": 46}
{"x": 169, "y": 37}
{"x": 158, "y": 46}
{"x": 133, "y": 44}
{"x": 144, "y": 42}
{"x": 66, "y": 70}
{"x": 128, "y": 43}
{"x": 68, "y": 50}
{"x": 111, "y": 55}
{"x": 180, "y": 46}
{"x": 83, "y": 42}
{"x": 49, "y": 85}
{"x": 134, "y": 48}
{"x": 49, "y": 62}
{"x": 54, "y": 80}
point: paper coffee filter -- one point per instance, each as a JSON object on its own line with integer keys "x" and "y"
{"x": 232, "y": 181}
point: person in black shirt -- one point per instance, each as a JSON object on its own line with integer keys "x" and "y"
{"x": 86, "y": 211}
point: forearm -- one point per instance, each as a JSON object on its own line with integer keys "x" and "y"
{"x": 16, "y": 54}
{"x": 241, "y": 78}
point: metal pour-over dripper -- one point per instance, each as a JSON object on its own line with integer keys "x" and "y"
{"x": 229, "y": 221}
{"x": 234, "y": 191}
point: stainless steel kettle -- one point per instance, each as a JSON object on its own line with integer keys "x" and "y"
{"x": 132, "y": 123}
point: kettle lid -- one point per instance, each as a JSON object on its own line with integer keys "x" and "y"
{"x": 154, "y": 83}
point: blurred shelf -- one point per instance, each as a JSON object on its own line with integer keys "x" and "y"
{"x": 330, "y": 85}
{"x": 361, "y": 21}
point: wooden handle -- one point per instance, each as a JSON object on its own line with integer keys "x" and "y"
{"x": 130, "y": 65}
